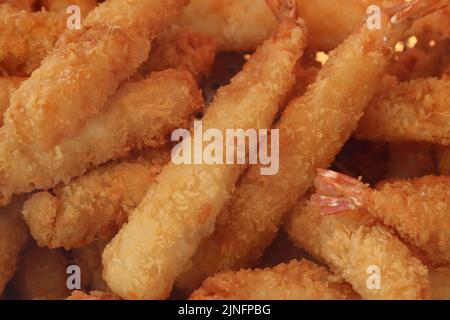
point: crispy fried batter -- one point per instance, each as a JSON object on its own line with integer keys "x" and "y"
{"x": 93, "y": 295}
{"x": 140, "y": 114}
{"x": 58, "y": 99}
{"x": 352, "y": 242}
{"x": 150, "y": 252}
{"x": 26, "y": 38}
{"x": 92, "y": 206}
{"x": 7, "y": 86}
{"x": 297, "y": 280}
{"x": 60, "y": 6}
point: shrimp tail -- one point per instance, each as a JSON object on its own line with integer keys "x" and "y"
{"x": 415, "y": 10}
{"x": 336, "y": 192}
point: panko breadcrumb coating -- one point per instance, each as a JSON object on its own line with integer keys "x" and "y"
{"x": 59, "y": 97}
{"x": 95, "y": 205}
{"x": 60, "y": 6}
{"x": 149, "y": 253}
{"x": 8, "y": 85}
{"x": 297, "y": 280}
{"x": 26, "y": 38}
{"x": 409, "y": 111}
{"x": 140, "y": 114}
{"x": 351, "y": 243}
{"x": 93, "y": 295}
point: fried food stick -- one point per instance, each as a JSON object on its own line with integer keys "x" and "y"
{"x": 181, "y": 208}
{"x": 412, "y": 111}
{"x": 60, "y": 6}
{"x": 140, "y": 114}
{"x": 26, "y": 38}
{"x": 92, "y": 206}
{"x": 41, "y": 275}
{"x": 58, "y": 99}
{"x": 13, "y": 237}
{"x": 7, "y": 86}
{"x": 182, "y": 47}
{"x": 418, "y": 209}
{"x": 313, "y": 129}
{"x": 296, "y": 280}
{"x": 238, "y": 25}
{"x": 355, "y": 246}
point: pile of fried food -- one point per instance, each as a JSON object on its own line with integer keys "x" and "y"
{"x": 360, "y": 206}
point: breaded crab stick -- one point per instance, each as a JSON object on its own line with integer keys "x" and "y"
{"x": 365, "y": 253}
{"x": 410, "y": 111}
{"x": 418, "y": 209}
{"x": 13, "y": 237}
{"x": 84, "y": 69}
{"x": 148, "y": 254}
{"x": 92, "y": 206}
{"x": 140, "y": 114}
{"x": 26, "y": 38}
{"x": 8, "y": 85}
{"x": 313, "y": 129}
{"x": 296, "y": 280}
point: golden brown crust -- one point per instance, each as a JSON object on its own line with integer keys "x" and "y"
{"x": 122, "y": 127}
{"x": 297, "y": 280}
{"x": 93, "y": 295}
{"x": 353, "y": 242}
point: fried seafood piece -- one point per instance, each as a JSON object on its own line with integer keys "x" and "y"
{"x": 60, "y": 6}
{"x": 13, "y": 237}
{"x": 93, "y": 295}
{"x": 237, "y": 25}
{"x": 7, "y": 86}
{"x": 296, "y": 280}
{"x": 94, "y": 205}
{"x": 409, "y": 111}
{"x": 182, "y": 47}
{"x": 59, "y": 97}
{"x": 140, "y": 114}
{"x": 41, "y": 275}
{"x": 312, "y": 130}
{"x": 418, "y": 209}
{"x": 26, "y": 38}
{"x": 361, "y": 250}
{"x": 148, "y": 254}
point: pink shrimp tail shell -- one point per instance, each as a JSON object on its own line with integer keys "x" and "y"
{"x": 337, "y": 193}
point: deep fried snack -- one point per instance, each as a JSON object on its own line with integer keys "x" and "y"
{"x": 149, "y": 253}
{"x": 440, "y": 283}
{"x": 140, "y": 114}
{"x": 13, "y": 237}
{"x": 7, "y": 86}
{"x": 60, "y": 6}
{"x": 182, "y": 47}
{"x": 59, "y": 97}
{"x": 92, "y": 206}
{"x": 418, "y": 209}
{"x": 93, "y": 295}
{"x": 237, "y": 25}
{"x": 409, "y": 160}
{"x": 20, "y": 4}
{"x": 89, "y": 259}
{"x": 313, "y": 129}
{"x": 355, "y": 245}
{"x": 297, "y": 280}
{"x": 26, "y": 38}
{"x": 41, "y": 275}
{"x": 411, "y": 111}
